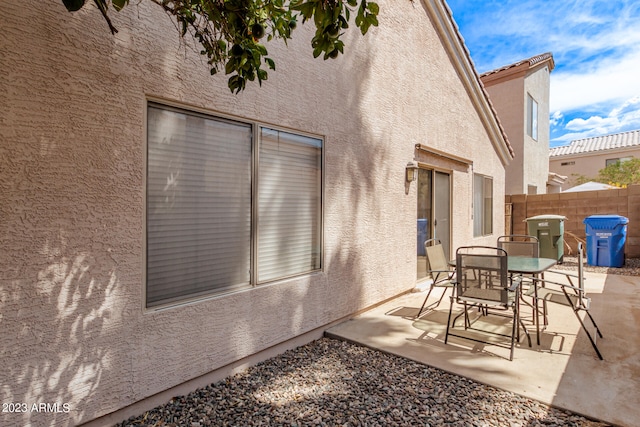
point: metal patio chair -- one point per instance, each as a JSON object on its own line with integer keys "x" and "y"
{"x": 571, "y": 294}
{"x": 482, "y": 281}
{"x": 441, "y": 273}
{"x": 521, "y": 245}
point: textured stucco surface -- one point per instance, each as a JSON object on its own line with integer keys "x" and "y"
{"x": 530, "y": 165}
{"x": 72, "y": 168}
{"x": 509, "y": 99}
{"x": 536, "y": 152}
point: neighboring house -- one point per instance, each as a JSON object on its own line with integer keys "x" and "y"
{"x": 555, "y": 183}
{"x": 159, "y": 232}
{"x": 586, "y": 157}
{"x": 520, "y": 94}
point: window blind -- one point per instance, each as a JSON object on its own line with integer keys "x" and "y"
{"x": 198, "y": 205}
{"x": 478, "y": 202}
{"x": 488, "y": 206}
{"x": 289, "y": 204}
{"x": 482, "y": 205}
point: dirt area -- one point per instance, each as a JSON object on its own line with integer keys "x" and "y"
{"x": 631, "y": 267}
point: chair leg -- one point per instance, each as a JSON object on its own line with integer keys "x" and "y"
{"x": 431, "y": 306}
{"x": 425, "y": 301}
{"x": 520, "y": 322}
{"x": 513, "y": 331}
{"x": 446, "y": 336}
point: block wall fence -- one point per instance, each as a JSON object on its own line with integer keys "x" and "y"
{"x": 576, "y": 207}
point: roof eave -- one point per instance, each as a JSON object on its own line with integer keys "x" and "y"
{"x": 452, "y": 40}
{"x": 518, "y": 69}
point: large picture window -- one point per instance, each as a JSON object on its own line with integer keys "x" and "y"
{"x": 208, "y": 188}
{"x": 482, "y": 205}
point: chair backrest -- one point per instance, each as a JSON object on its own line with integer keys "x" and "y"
{"x": 482, "y": 274}
{"x": 436, "y": 259}
{"x": 520, "y": 245}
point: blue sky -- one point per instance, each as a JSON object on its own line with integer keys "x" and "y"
{"x": 595, "y": 86}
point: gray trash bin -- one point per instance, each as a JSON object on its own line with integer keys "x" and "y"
{"x": 549, "y": 229}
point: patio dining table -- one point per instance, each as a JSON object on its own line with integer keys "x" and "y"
{"x": 527, "y": 266}
{"x": 524, "y": 265}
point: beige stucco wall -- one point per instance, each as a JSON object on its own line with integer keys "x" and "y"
{"x": 509, "y": 96}
{"x": 587, "y": 164}
{"x": 508, "y": 100}
{"x": 72, "y": 171}
{"x": 536, "y": 152}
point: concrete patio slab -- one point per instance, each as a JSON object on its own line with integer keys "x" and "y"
{"x": 563, "y": 371}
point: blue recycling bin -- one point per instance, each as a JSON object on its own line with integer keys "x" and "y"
{"x": 423, "y": 232}
{"x": 606, "y": 235}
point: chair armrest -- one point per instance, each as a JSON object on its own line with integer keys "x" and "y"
{"x": 447, "y": 273}
{"x": 563, "y": 273}
{"x": 515, "y": 283}
{"x": 563, "y": 285}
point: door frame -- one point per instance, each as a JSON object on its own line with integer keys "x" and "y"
{"x": 431, "y": 223}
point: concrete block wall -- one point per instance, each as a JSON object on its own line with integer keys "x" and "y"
{"x": 576, "y": 207}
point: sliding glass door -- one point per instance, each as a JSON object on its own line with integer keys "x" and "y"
{"x": 433, "y": 213}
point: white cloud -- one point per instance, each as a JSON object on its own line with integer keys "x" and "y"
{"x": 556, "y": 118}
{"x": 591, "y": 123}
{"x": 595, "y": 87}
{"x": 621, "y": 118}
{"x": 609, "y": 81}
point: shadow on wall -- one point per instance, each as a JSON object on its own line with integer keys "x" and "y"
{"x": 54, "y": 358}
{"x": 63, "y": 305}
{"x": 355, "y": 169}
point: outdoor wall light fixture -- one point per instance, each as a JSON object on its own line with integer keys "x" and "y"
{"x": 412, "y": 171}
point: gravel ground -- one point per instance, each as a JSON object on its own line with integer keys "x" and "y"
{"x": 631, "y": 267}
{"x": 334, "y": 383}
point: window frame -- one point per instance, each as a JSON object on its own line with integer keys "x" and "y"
{"x": 480, "y": 207}
{"x": 609, "y": 162}
{"x": 255, "y": 142}
{"x": 532, "y": 122}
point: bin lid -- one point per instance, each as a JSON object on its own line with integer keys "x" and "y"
{"x": 543, "y": 217}
{"x": 605, "y": 221}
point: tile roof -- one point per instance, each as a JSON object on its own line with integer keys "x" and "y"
{"x": 598, "y": 143}
{"x": 530, "y": 62}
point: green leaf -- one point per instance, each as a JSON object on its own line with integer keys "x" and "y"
{"x": 261, "y": 49}
{"x": 230, "y": 66}
{"x": 305, "y": 9}
{"x": 221, "y": 28}
{"x": 270, "y": 63}
{"x": 73, "y": 5}
{"x": 119, "y": 4}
